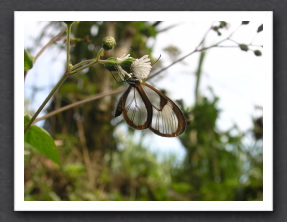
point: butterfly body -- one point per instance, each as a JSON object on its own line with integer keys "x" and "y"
{"x": 143, "y": 107}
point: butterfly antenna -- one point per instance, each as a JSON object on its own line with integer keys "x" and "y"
{"x": 156, "y": 60}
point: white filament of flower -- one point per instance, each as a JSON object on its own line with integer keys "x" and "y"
{"x": 141, "y": 67}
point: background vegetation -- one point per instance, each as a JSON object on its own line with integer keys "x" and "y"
{"x": 98, "y": 161}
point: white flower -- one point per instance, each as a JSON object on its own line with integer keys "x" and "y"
{"x": 141, "y": 67}
{"x": 122, "y": 72}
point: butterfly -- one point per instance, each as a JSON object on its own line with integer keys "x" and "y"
{"x": 144, "y": 107}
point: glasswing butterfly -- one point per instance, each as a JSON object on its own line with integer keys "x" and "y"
{"x": 143, "y": 107}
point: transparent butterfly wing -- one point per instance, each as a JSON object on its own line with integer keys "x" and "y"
{"x": 167, "y": 118}
{"x": 135, "y": 109}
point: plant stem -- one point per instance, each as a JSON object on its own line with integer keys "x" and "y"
{"x": 98, "y": 96}
{"x": 50, "y": 43}
{"x": 45, "y": 102}
{"x": 54, "y": 39}
{"x": 81, "y": 63}
{"x": 92, "y": 63}
{"x": 57, "y": 86}
{"x": 198, "y": 75}
{"x": 68, "y": 45}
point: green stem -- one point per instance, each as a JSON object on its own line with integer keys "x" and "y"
{"x": 80, "y": 69}
{"x": 69, "y": 26}
{"x": 81, "y": 63}
{"x": 109, "y": 61}
{"x": 91, "y": 63}
{"x": 198, "y": 75}
{"x": 45, "y": 102}
{"x": 57, "y": 86}
{"x": 99, "y": 54}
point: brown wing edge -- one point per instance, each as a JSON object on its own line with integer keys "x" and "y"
{"x": 121, "y": 102}
{"x": 122, "y": 109}
{"x": 175, "y": 108}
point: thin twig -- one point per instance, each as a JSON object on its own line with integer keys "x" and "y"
{"x": 57, "y": 86}
{"x": 54, "y": 39}
{"x": 98, "y": 96}
{"x": 83, "y": 144}
{"x": 45, "y": 102}
{"x": 197, "y": 50}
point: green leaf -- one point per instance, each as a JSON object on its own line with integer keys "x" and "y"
{"x": 28, "y": 61}
{"x": 26, "y": 119}
{"x": 39, "y": 139}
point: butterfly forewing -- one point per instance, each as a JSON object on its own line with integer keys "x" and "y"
{"x": 167, "y": 119}
{"x": 135, "y": 109}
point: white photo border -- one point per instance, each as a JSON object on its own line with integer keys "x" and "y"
{"x": 19, "y": 20}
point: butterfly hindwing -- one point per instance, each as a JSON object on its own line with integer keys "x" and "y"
{"x": 143, "y": 107}
{"x": 167, "y": 119}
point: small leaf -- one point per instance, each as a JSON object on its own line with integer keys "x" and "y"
{"x": 245, "y": 23}
{"x": 243, "y": 47}
{"x": 28, "y": 61}
{"x": 260, "y": 28}
{"x": 26, "y": 119}
{"x": 40, "y": 140}
{"x": 257, "y": 52}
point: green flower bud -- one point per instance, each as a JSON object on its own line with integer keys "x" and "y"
{"x": 108, "y": 43}
{"x": 243, "y": 47}
{"x": 110, "y": 66}
{"x": 257, "y": 52}
{"x": 126, "y": 64}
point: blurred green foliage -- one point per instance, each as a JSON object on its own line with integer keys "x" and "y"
{"x": 99, "y": 163}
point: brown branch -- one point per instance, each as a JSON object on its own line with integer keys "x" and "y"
{"x": 54, "y": 39}
{"x": 98, "y": 96}
{"x": 198, "y": 50}
{"x": 83, "y": 144}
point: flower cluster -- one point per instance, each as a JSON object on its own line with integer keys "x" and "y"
{"x": 129, "y": 67}
{"x": 141, "y": 67}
